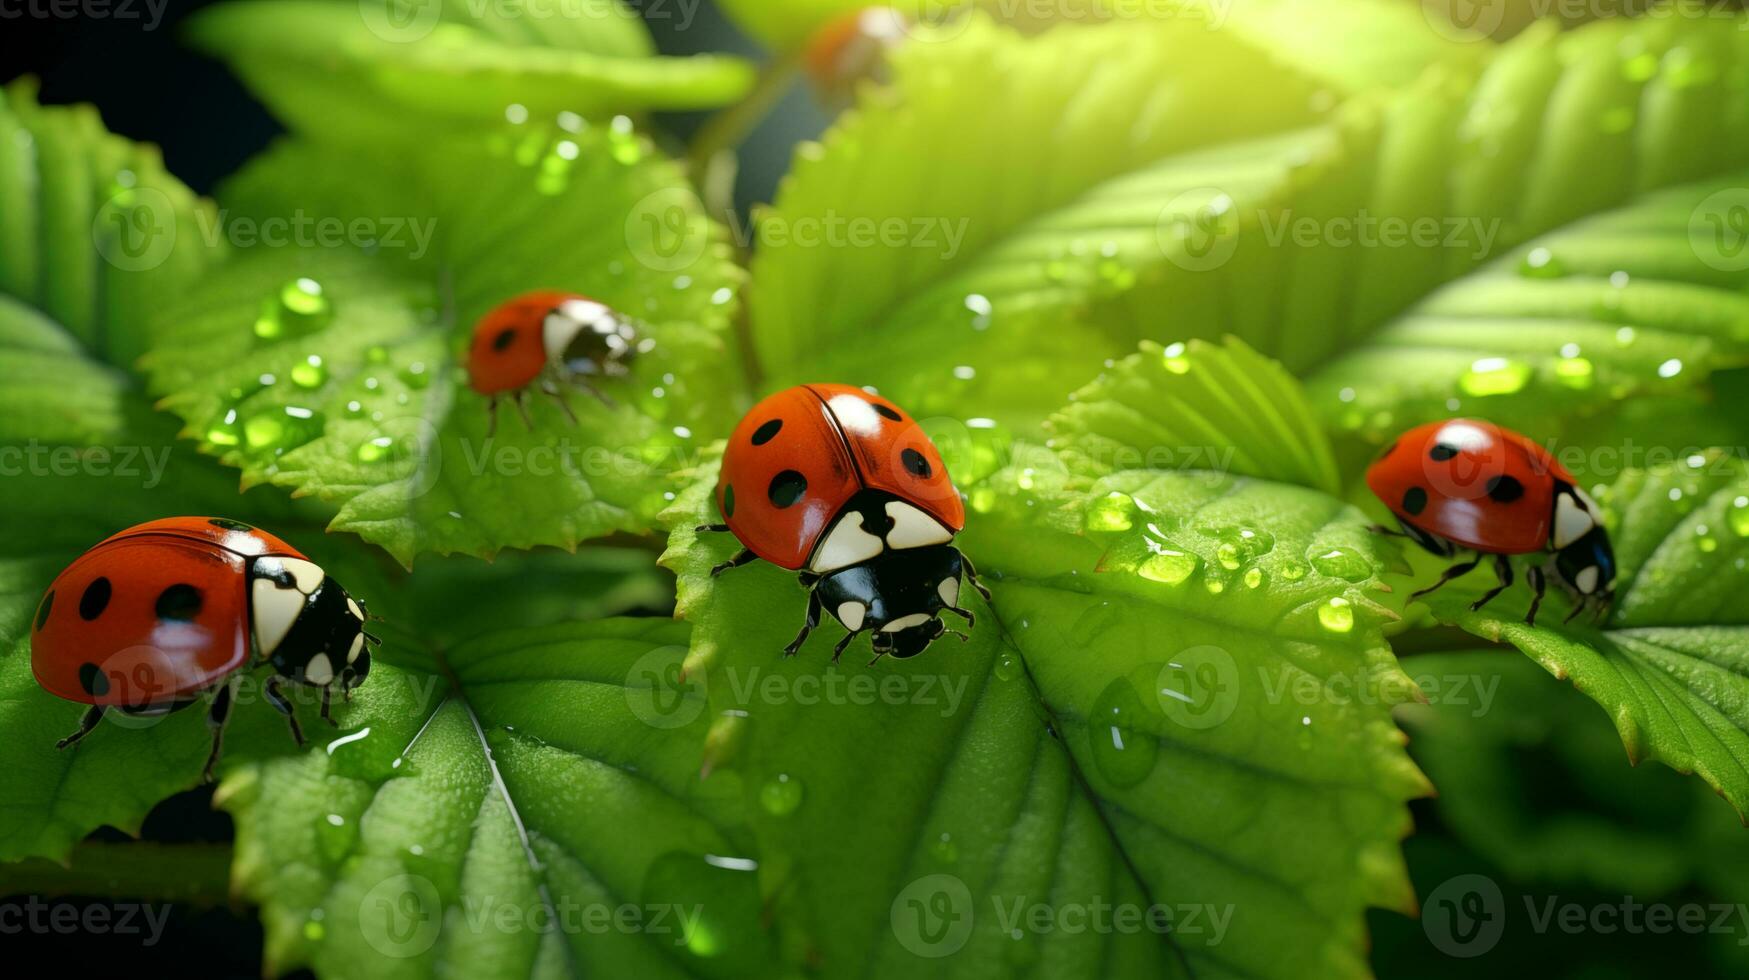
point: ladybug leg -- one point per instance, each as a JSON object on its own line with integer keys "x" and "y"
{"x": 216, "y": 717}
{"x": 491, "y": 416}
{"x": 812, "y": 621}
{"x": 972, "y": 577}
{"x": 93, "y": 715}
{"x": 520, "y": 400}
{"x": 1461, "y": 568}
{"x": 711, "y": 528}
{"x": 741, "y": 559}
{"x": 1502, "y": 571}
{"x": 327, "y": 706}
{"x": 1389, "y": 532}
{"x": 559, "y": 396}
{"x": 1538, "y": 582}
{"x": 277, "y": 698}
{"x": 970, "y": 619}
{"x": 838, "y": 651}
{"x": 597, "y": 392}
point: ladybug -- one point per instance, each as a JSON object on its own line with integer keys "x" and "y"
{"x": 549, "y": 339}
{"x": 841, "y": 486}
{"x": 156, "y": 616}
{"x": 1469, "y": 486}
{"x": 853, "y": 47}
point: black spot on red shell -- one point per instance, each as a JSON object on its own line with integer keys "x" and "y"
{"x": 916, "y": 463}
{"x": 505, "y": 338}
{"x": 767, "y": 432}
{"x": 93, "y": 680}
{"x": 180, "y": 601}
{"x": 888, "y": 411}
{"x": 1415, "y": 500}
{"x": 228, "y": 524}
{"x": 1442, "y": 452}
{"x": 729, "y": 501}
{"x": 95, "y": 599}
{"x": 42, "y": 611}
{"x": 787, "y": 488}
{"x": 1505, "y": 489}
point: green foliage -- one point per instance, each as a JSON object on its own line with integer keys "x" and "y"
{"x": 1668, "y": 664}
{"x": 336, "y": 68}
{"x": 1121, "y": 251}
{"x": 333, "y": 369}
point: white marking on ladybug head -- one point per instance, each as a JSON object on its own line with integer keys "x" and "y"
{"x": 273, "y": 609}
{"x": 571, "y": 318}
{"x": 1573, "y": 520}
{"x": 855, "y": 414}
{"x": 852, "y": 614}
{"x": 357, "y": 645}
{"x": 912, "y": 528}
{"x": 845, "y": 545}
{"x": 949, "y": 590}
{"x": 353, "y": 606}
{"x": 1586, "y": 580}
{"x": 319, "y": 671}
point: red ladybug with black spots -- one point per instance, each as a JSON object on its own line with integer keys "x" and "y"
{"x": 1469, "y": 486}
{"x": 155, "y": 617}
{"x": 842, "y": 486}
{"x": 549, "y": 339}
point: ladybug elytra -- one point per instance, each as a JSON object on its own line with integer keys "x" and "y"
{"x": 838, "y": 484}
{"x": 1467, "y": 485}
{"x": 154, "y": 617}
{"x": 549, "y": 339}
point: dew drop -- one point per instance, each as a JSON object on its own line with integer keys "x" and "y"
{"x": 1121, "y": 753}
{"x": 310, "y": 372}
{"x": 1112, "y": 513}
{"x": 1494, "y": 376}
{"x": 944, "y": 848}
{"x": 1337, "y": 615}
{"x": 1738, "y": 516}
{"x": 1540, "y": 263}
{"x": 376, "y": 450}
{"x": 1169, "y": 566}
{"x": 781, "y": 796}
{"x": 1008, "y": 667}
{"x": 1343, "y": 563}
{"x": 299, "y": 307}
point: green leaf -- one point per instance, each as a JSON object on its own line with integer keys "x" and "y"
{"x": 1668, "y": 667}
{"x": 920, "y": 222}
{"x": 1201, "y": 407}
{"x": 332, "y": 68}
{"x": 1643, "y": 302}
{"x": 535, "y": 814}
{"x": 96, "y": 235}
{"x": 1120, "y": 709}
{"x": 334, "y": 370}
{"x": 1530, "y": 777}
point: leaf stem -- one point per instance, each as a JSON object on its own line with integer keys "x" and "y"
{"x": 728, "y": 129}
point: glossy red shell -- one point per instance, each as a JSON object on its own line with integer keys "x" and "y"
{"x": 838, "y": 439}
{"x": 121, "y": 650}
{"x": 509, "y": 350}
{"x": 1476, "y": 483}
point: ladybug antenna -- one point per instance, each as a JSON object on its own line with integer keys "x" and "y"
{"x": 368, "y": 635}
{"x": 963, "y": 636}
